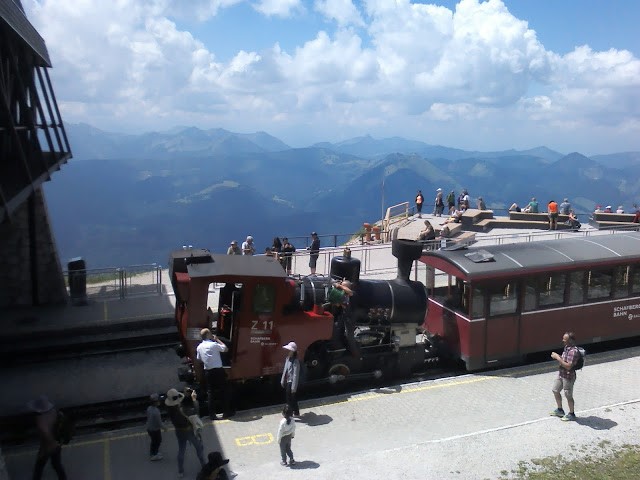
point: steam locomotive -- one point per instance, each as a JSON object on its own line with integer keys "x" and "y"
{"x": 260, "y": 309}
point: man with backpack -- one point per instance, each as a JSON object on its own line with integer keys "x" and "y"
{"x": 568, "y": 362}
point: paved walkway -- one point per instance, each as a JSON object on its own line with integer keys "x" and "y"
{"x": 474, "y": 426}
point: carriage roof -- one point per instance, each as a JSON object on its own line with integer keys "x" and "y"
{"x": 516, "y": 259}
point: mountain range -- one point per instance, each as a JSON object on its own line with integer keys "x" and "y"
{"x": 131, "y": 199}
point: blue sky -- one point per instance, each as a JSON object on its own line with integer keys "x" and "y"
{"x": 472, "y": 74}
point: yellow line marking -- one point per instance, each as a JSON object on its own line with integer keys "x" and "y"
{"x": 107, "y": 459}
{"x": 421, "y": 388}
{"x": 259, "y": 439}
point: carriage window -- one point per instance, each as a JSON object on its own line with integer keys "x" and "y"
{"x": 551, "y": 289}
{"x": 503, "y": 299}
{"x": 635, "y": 279}
{"x": 621, "y": 279}
{"x": 576, "y": 288}
{"x": 264, "y": 298}
{"x": 477, "y": 303}
{"x": 599, "y": 284}
{"x": 530, "y": 294}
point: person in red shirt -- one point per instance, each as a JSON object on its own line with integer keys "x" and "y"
{"x": 552, "y": 209}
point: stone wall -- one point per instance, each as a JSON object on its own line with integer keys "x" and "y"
{"x": 30, "y": 270}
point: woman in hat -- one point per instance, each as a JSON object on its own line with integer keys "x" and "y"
{"x": 214, "y": 469}
{"x": 291, "y": 376}
{"x": 183, "y": 428}
{"x": 50, "y": 448}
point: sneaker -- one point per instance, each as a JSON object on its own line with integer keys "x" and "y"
{"x": 569, "y": 417}
{"x": 284, "y": 464}
{"x": 292, "y": 462}
{"x": 558, "y": 412}
{"x": 157, "y": 457}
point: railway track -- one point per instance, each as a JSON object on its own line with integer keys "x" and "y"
{"x": 79, "y": 343}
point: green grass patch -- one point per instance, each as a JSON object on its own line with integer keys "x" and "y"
{"x": 602, "y": 462}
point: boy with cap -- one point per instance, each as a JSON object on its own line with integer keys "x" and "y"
{"x": 154, "y": 427}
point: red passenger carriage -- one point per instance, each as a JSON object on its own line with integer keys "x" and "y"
{"x": 499, "y": 303}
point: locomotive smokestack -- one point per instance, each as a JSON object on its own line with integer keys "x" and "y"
{"x": 406, "y": 251}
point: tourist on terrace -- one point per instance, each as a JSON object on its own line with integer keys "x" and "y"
{"x": 608, "y": 209}
{"x": 480, "y": 204}
{"x": 451, "y": 202}
{"x": 234, "y": 249}
{"x": 428, "y": 233}
{"x": 532, "y": 207}
{"x": 439, "y": 203}
{"x": 573, "y": 221}
{"x": 248, "y": 248}
{"x": 514, "y": 207}
{"x": 620, "y": 209}
{"x": 565, "y": 207}
{"x": 419, "y": 202}
{"x": 552, "y": 210}
{"x": 287, "y": 253}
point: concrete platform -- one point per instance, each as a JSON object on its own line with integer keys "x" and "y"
{"x": 468, "y": 427}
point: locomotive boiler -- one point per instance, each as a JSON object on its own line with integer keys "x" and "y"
{"x": 260, "y": 309}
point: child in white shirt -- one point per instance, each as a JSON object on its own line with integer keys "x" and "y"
{"x": 286, "y": 431}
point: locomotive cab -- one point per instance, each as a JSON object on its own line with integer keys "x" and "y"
{"x": 254, "y": 316}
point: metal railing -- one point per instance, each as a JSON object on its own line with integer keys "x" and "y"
{"x": 115, "y": 282}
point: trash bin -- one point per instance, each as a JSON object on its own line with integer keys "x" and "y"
{"x": 77, "y": 281}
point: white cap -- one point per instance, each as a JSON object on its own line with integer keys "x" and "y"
{"x": 291, "y": 346}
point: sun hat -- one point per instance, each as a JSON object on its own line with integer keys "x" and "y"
{"x": 174, "y": 397}
{"x": 216, "y": 460}
{"x": 291, "y": 346}
{"x": 40, "y": 404}
{"x": 314, "y": 233}
{"x": 249, "y": 238}
{"x": 438, "y": 189}
{"x": 608, "y": 206}
{"x": 233, "y": 242}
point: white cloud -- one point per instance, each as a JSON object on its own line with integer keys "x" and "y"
{"x": 475, "y": 77}
{"x": 278, "y": 8}
{"x": 344, "y": 12}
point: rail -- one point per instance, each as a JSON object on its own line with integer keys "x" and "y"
{"x": 114, "y": 282}
{"x": 394, "y": 213}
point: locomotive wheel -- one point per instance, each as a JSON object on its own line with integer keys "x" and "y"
{"x": 341, "y": 369}
{"x": 315, "y": 362}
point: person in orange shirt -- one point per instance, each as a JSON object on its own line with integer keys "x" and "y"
{"x": 552, "y": 209}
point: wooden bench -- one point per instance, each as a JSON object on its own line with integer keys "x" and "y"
{"x": 600, "y": 225}
{"x": 613, "y": 217}
{"x": 472, "y": 216}
{"x": 535, "y": 217}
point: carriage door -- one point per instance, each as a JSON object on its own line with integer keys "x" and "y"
{"x": 503, "y": 322}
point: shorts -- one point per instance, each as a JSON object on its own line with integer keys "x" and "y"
{"x": 553, "y": 216}
{"x": 313, "y": 259}
{"x": 565, "y": 384}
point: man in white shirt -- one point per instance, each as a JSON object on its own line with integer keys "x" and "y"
{"x": 248, "y": 248}
{"x": 208, "y": 352}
